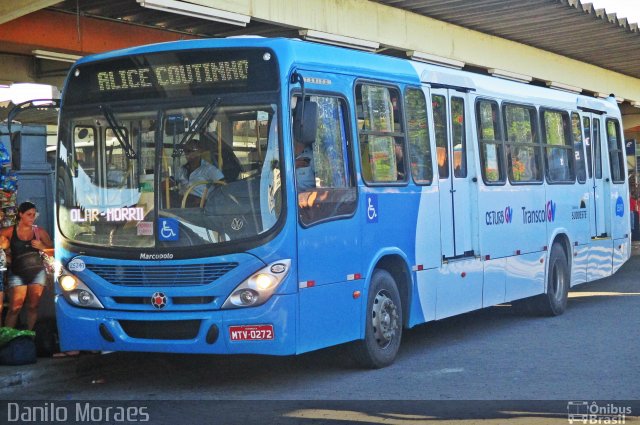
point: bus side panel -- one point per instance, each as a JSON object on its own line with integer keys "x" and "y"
{"x": 599, "y": 259}
{"x": 619, "y": 204}
{"x": 512, "y": 220}
{"x": 525, "y": 275}
{"x": 493, "y": 291}
{"x": 424, "y": 303}
{"x": 459, "y": 288}
{"x": 428, "y": 256}
{"x": 566, "y": 208}
{"x": 331, "y": 315}
{"x": 497, "y": 212}
{"x": 621, "y": 251}
{"x": 579, "y": 264}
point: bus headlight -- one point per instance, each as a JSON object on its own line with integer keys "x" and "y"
{"x": 77, "y": 293}
{"x": 257, "y": 289}
{"x": 68, "y": 283}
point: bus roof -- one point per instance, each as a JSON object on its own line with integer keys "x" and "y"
{"x": 295, "y": 52}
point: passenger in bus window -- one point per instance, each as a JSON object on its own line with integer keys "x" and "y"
{"x": 196, "y": 170}
{"x": 305, "y": 170}
{"x": 400, "y": 161}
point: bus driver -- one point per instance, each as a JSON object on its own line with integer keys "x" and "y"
{"x": 196, "y": 169}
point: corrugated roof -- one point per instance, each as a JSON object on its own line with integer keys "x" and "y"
{"x": 567, "y": 27}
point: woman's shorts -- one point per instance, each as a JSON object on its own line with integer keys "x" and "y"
{"x": 15, "y": 280}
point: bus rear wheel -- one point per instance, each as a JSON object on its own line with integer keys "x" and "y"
{"x": 554, "y": 301}
{"x": 383, "y": 324}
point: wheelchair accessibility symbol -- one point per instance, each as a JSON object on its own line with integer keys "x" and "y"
{"x": 372, "y": 208}
{"x": 168, "y": 229}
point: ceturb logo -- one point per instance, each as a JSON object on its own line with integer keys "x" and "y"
{"x": 492, "y": 218}
{"x": 551, "y": 211}
{"x": 508, "y": 214}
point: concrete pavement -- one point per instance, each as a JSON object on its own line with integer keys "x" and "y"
{"x": 92, "y": 367}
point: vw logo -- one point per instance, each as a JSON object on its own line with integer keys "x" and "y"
{"x": 159, "y": 300}
{"x": 237, "y": 223}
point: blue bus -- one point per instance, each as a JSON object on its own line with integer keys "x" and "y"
{"x": 275, "y": 196}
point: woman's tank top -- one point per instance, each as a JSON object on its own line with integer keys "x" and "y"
{"x": 18, "y": 246}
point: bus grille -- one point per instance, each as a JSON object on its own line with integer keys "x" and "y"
{"x": 161, "y": 329}
{"x": 140, "y": 275}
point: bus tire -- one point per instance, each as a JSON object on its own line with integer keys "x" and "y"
{"x": 383, "y": 324}
{"x": 554, "y": 301}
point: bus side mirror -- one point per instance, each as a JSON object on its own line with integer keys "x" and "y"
{"x": 174, "y": 124}
{"x": 305, "y": 127}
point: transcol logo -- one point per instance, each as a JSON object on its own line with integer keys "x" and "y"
{"x": 551, "y": 211}
{"x": 541, "y": 215}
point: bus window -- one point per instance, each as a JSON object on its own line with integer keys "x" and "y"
{"x": 616, "y": 156}
{"x": 459, "y": 137}
{"x": 117, "y": 163}
{"x": 491, "y": 144}
{"x": 418, "y": 135}
{"x": 439, "y": 104}
{"x": 323, "y": 176}
{"x": 586, "y": 125}
{"x": 559, "y": 159}
{"x": 523, "y": 148}
{"x": 249, "y": 141}
{"x": 578, "y": 147}
{"x": 381, "y": 137}
{"x": 597, "y": 147}
{"x": 84, "y": 139}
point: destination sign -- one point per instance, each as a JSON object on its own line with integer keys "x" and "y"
{"x": 173, "y": 74}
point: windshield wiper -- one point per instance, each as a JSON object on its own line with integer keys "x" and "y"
{"x": 201, "y": 120}
{"x": 122, "y": 137}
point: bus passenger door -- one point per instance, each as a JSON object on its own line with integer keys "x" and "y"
{"x": 329, "y": 247}
{"x": 451, "y": 144}
{"x": 459, "y": 287}
{"x": 598, "y": 213}
{"x": 599, "y": 264}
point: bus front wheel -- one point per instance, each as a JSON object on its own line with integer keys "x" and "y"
{"x": 383, "y": 324}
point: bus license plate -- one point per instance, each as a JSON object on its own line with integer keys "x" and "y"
{"x": 251, "y": 332}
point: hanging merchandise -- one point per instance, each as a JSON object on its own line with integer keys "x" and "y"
{"x": 8, "y": 188}
{"x": 5, "y": 156}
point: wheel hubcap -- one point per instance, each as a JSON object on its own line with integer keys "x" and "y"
{"x": 558, "y": 282}
{"x": 384, "y": 319}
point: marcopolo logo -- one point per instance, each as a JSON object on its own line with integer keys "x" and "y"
{"x": 493, "y": 218}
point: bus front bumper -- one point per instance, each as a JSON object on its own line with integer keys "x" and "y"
{"x": 266, "y": 329}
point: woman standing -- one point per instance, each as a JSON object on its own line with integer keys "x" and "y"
{"x": 27, "y": 276}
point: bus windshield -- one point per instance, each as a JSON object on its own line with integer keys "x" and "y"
{"x": 182, "y": 171}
